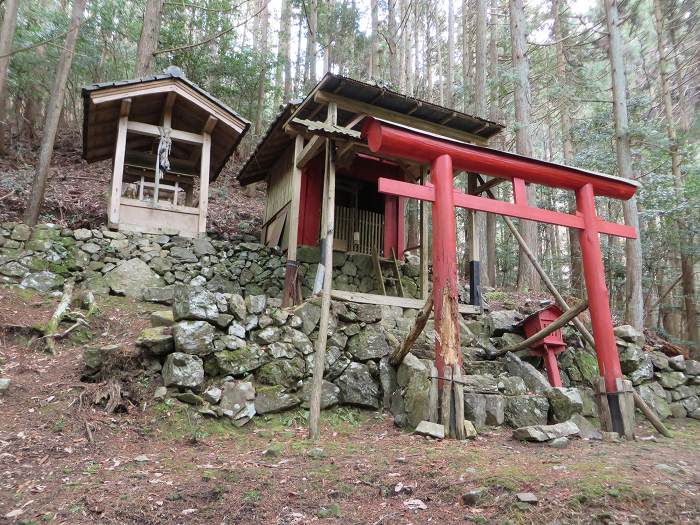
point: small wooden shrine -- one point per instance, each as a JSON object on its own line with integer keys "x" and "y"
{"x": 168, "y": 140}
{"x": 291, "y": 158}
{"x": 314, "y": 151}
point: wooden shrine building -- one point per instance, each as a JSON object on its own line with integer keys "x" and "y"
{"x": 168, "y": 139}
{"x": 291, "y": 159}
{"x": 338, "y": 167}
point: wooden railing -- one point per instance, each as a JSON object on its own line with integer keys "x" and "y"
{"x": 368, "y": 224}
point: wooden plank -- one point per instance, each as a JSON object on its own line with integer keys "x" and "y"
{"x": 164, "y": 86}
{"x": 118, "y": 164}
{"x": 204, "y": 184}
{"x": 400, "y": 118}
{"x": 473, "y": 202}
{"x": 309, "y": 151}
{"x": 150, "y": 130}
{"x": 378, "y": 270}
{"x": 390, "y": 300}
{"x": 168, "y": 109}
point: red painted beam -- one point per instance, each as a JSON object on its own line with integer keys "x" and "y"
{"x": 415, "y": 145}
{"x": 473, "y": 202}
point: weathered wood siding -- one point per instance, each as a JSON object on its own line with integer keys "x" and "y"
{"x": 279, "y": 189}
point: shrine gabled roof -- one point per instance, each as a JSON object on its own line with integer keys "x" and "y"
{"x": 191, "y": 110}
{"x": 370, "y": 98}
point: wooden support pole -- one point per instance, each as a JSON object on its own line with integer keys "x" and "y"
{"x": 204, "y": 183}
{"x": 649, "y": 414}
{"x": 290, "y": 276}
{"x": 118, "y": 164}
{"x": 555, "y": 325}
{"x": 543, "y": 275}
{"x": 320, "y": 351}
{"x": 399, "y": 354}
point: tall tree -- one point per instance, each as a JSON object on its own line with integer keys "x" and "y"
{"x": 53, "y": 114}
{"x": 687, "y": 268}
{"x": 262, "y": 80}
{"x": 634, "y": 304}
{"x": 391, "y": 43}
{"x": 9, "y": 24}
{"x": 560, "y": 34}
{"x": 450, "y": 77}
{"x": 527, "y": 277}
{"x": 494, "y": 115}
{"x": 150, "y": 33}
{"x": 373, "y": 44}
{"x": 311, "y": 38}
{"x": 466, "y": 56}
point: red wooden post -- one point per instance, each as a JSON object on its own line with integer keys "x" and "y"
{"x": 551, "y": 366}
{"x": 444, "y": 261}
{"x": 594, "y": 275}
{"x": 448, "y": 355}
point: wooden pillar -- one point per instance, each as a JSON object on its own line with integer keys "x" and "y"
{"x": 204, "y": 183}
{"x": 599, "y": 307}
{"x": 448, "y": 355}
{"x": 289, "y": 295}
{"x": 118, "y": 165}
{"x": 327, "y": 256}
{"x": 475, "y": 261}
{"x": 424, "y": 252}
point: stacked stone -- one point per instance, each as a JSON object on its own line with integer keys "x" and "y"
{"x": 234, "y": 357}
{"x": 148, "y": 266}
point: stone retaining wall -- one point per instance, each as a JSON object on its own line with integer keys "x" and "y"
{"x": 147, "y": 266}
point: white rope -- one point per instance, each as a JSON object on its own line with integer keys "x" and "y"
{"x": 164, "y": 149}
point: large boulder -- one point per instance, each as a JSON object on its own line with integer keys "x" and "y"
{"x": 330, "y": 394}
{"x": 475, "y": 408}
{"x": 539, "y": 433}
{"x": 483, "y": 383}
{"x": 416, "y": 398}
{"x": 158, "y": 340}
{"x": 630, "y": 334}
{"x": 241, "y": 360}
{"x": 671, "y": 379}
{"x": 692, "y": 367}
{"x": 358, "y": 387}
{"x": 564, "y": 403}
{"x": 533, "y": 378}
{"x": 370, "y": 343}
{"x": 523, "y": 411}
{"x": 502, "y": 321}
{"x": 281, "y": 371}
{"x": 193, "y": 303}
{"x": 131, "y": 278}
{"x": 193, "y": 337}
{"x": 183, "y": 370}
{"x": 43, "y": 281}
{"x": 654, "y": 395}
{"x": 309, "y": 313}
{"x": 631, "y": 357}
{"x": 270, "y": 399}
{"x": 495, "y": 410}
{"x": 238, "y": 401}
{"x": 587, "y": 365}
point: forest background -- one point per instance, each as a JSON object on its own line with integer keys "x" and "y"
{"x": 604, "y": 85}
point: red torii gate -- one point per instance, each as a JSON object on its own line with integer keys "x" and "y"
{"x": 443, "y": 154}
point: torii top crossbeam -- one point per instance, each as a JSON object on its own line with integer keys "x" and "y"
{"x": 442, "y": 154}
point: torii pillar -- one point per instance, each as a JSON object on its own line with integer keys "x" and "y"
{"x": 441, "y": 154}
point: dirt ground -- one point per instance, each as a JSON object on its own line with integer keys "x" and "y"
{"x": 64, "y": 460}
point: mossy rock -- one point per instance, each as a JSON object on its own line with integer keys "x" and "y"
{"x": 281, "y": 372}
{"x": 588, "y": 366}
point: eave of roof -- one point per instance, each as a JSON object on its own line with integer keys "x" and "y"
{"x": 254, "y": 168}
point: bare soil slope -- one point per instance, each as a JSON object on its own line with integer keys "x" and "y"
{"x": 64, "y": 460}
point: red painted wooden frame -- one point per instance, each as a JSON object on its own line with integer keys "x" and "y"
{"x": 444, "y": 155}
{"x": 519, "y": 210}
